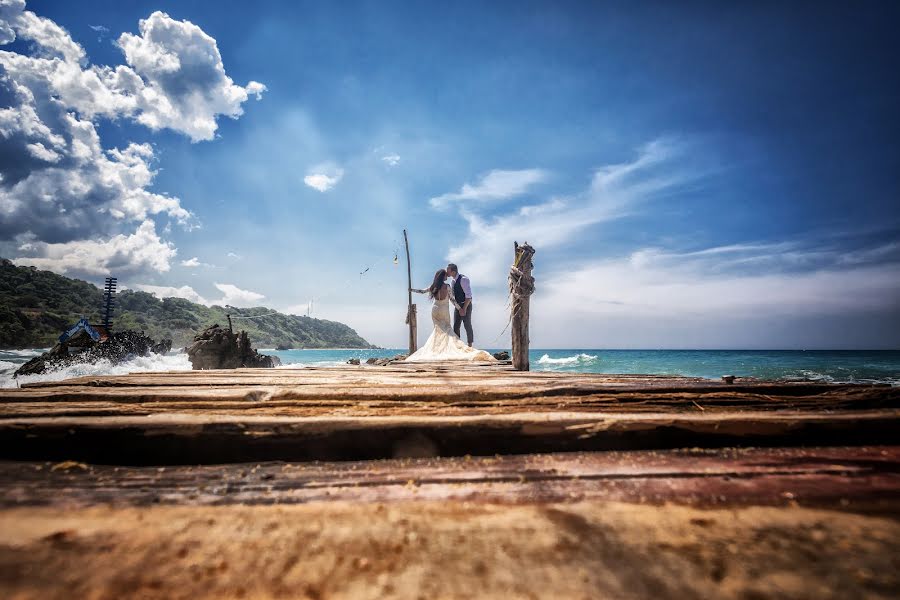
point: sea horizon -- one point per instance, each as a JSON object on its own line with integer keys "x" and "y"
{"x": 878, "y": 366}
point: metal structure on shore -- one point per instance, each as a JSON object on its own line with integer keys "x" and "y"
{"x": 109, "y": 302}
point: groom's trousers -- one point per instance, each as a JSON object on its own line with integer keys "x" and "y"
{"x": 467, "y": 321}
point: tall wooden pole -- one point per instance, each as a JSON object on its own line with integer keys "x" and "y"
{"x": 521, "y": 286}
{"x": 410, "y": 309}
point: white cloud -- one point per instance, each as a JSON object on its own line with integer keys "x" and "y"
{"x": 323, "y": 177}
{"x": 60, "y": 185}
{"x": 10, "y": 11}
{"x": 231, "y": 294}
{"x": 235, "y": 296}
{"x": 615, "y": 191}
{"x": 234, "y": 255}
{"x": 194, "y": 263}
{"x": 54, "y": 40}
{"x": 704, "y": 298}
{"x": 496, "y": 185}
{"x": 185, "y": 85}
{"x": 119, "y": 255}
{"x": 185, "y": 291}
{"x": 392, "y": 160}
{"x": 65, "y": 186}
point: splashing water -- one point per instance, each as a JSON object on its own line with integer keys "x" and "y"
{"x": 790, "y": 365}
{"x": 139, "y": 364}
{"x": 567, "y": 360}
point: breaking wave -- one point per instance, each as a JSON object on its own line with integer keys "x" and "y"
{"x": 139, "y": 364}
{"x": 578, "y": 359}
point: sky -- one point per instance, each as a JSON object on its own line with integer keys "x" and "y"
{"x": 691, "y": 175}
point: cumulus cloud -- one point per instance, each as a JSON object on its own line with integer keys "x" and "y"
{"x": 235, "y": 296}
{"x": 232, "y": 295}
{"x": 391, "y": 160}
{"x": 10, "y": 12}
{"x": 60, "y": 184}
{"x": 121, "y": 254}
{"x": 57, "y": 181}
{"x": 323, "y": 177}
{"x": 184, "y": 84}
{"x": 496, "y": 185}
{"x": 185, "y": 291}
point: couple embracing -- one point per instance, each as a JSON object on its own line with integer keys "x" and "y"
{"x": 449, "y": 285}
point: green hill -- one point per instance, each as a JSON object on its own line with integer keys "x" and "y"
{"x": 36, "y": 306}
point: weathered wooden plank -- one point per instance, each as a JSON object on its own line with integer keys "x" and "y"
{"x": 852, "y": 478}
{"x": 451, "y": 549}
{"x": 391, "y": 384}
{"x": 180, "y": 438}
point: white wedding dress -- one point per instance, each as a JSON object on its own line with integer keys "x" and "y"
{"x": 443, "y": 344}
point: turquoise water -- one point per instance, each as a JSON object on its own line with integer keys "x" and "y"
{"x": 815, "y": 365}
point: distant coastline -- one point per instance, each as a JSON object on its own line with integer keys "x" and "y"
{"x": 37, "y": 306}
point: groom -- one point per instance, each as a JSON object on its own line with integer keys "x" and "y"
{"x": 462, "y": 296}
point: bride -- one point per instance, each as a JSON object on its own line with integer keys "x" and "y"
{"x": 443, "y": 344}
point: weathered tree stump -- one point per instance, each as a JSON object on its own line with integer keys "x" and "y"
{"x": 521, "y": 286}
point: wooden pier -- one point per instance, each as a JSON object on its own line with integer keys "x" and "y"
{"x": 447, "y": 480}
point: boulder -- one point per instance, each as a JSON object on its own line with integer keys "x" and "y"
{"x": 163, "y": 347}
{"x": 381, "y": 362}
{"x": 217, "y": 348}
{"x": 504, "y": 355}
{"x": 81, "y": 349}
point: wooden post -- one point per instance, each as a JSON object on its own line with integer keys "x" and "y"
{"x": 413, "y": 329}
{"x": 410, "y": 307}
{"x": 521, "y": 286}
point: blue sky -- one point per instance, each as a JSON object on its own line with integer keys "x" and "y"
{"x": 691, "y": 174}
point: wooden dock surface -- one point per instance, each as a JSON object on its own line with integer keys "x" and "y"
{"x": 310, "y": 482}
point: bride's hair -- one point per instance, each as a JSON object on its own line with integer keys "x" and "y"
{"x": 438, "y": 283}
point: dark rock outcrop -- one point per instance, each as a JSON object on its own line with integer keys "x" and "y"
{"x": 217, "y": 348}
{"x": 380, "y": 362}
{"x": 503, "y": 355}
{"x": 80, "y": 349}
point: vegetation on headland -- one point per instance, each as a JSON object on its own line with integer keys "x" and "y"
{"x": 36, "y": 306}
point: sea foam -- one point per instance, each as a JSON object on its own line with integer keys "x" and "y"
{"x": 567, "y": 360}
{"x": 139, "y": 364}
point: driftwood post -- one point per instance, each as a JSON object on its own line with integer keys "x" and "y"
{"x": 521, "y": 286}
{"x": 410, "y": 307}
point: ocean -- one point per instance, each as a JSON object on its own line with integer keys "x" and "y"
{"x": 854, "y": 366}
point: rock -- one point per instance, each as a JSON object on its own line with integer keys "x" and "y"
{"x": 217, "y": 348}
{"x": 728, "y": 378}
{"x": 381, "y": 362}
{"x": 163, "y": 347}
{"x": 282, "y": 347}
{"x": 504, "y": 355}
{"x": 117, "y": 348}
{"x": 353, "y": 361}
